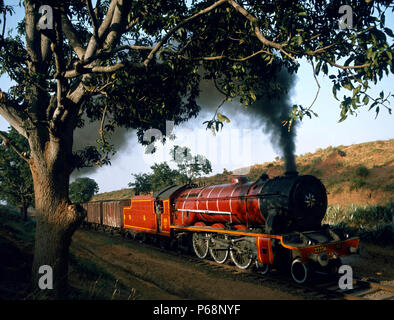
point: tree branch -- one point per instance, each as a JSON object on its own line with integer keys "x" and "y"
{"x": 102, "y": 30}
{"x": 347, "y": 67}
{"x": 318, "y": 86}
{"x": 98, "y": 69}
{"x": 93, "y": 18}
{"x": 257, "y": 31}
{"x": 32, "y": 35}
{"x": 3, "y": 31}
{"x": 177, "y": 27}
{"x": 226, "y": 57}
{"x": 72, "y": 37}
{"x": 8, "y": 110}
{"x": 314, "y": 52}
{"x": 56, "y": 47}
{"x": 8, "y": 142}
{"x": 118, "y": 23}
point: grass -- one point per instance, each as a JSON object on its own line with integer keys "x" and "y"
{"x": 88, "y": 281}
{"x": 357, "y": 183}
{"x": 11, "y": 220}
{"x": 97, "y": 283}
{"x": 373, "y": 223}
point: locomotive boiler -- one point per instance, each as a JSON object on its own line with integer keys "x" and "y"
{"x": 266, "y": 223}
{"x": 283, "y": 204}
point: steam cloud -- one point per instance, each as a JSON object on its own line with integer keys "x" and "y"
{"x": 265, "y": 113}
{"x": 88, "y": 135}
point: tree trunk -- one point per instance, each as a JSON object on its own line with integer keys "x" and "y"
{"x": 56, "y": 218}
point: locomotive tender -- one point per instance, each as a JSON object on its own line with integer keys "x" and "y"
{"x": 269, "y": 222}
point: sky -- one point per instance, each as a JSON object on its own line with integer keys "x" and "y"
{"x": 241, "y": 143}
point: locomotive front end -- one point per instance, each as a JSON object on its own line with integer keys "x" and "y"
{"x": 293, "y": 202}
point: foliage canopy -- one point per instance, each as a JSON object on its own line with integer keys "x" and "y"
{"x": 135, "y": 63}
{"x": 83, "y": 189}
{"x": 189, "y": 168}
{"x": 16, "y": 183}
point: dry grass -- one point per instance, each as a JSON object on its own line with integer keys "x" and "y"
{"x": 361, "y": 174}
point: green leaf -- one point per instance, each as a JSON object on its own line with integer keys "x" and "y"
{"x": 389, "y": 32}
{"x": 334, "y": 91}
{"x": 325, "y": 68}
{"x": 317, "y": 70}
{"x": 223, "y": 118}
{"x": 298, "y": 40}
{"x": 253, "y": 95}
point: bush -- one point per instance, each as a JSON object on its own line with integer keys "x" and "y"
{"x": 362, "y": 171}
{"x": 383, "y": 235}
{"x": 370, "y": 223}
{"x": 315, "y": 172}
{"x": 360, "y": 216}
{"x": 316, "y": 160}
{"x": 389, "y": 187}
{"x": 357, "y": 183}
{"x": 341, "y": 153}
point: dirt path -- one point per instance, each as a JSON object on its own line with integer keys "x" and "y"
{"x": 108, "y": 267}
{"x": 159, "y": 274}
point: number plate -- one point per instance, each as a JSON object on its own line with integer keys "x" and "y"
{"x": 320, "y": 249}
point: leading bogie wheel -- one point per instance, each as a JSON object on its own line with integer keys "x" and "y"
{"x": 299, "y": 271}
{"x": 200, "y": 244}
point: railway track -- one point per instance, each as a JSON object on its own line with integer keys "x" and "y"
{"x": 320, "y": 287}
{"x": 366, "y": 290}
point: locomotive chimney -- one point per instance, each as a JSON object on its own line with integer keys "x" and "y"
{"x": 291, "y": 173}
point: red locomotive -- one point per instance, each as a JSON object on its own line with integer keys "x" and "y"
{"x": 269, "y": 222}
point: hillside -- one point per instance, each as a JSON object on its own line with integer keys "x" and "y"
{"x": 356, "y": 174}
{"x": 122, "y": 194}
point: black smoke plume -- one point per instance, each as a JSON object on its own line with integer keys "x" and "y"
{"x": 274, "y": 112}
{"x": 271, "y": 111}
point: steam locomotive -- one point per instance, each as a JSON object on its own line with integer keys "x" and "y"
{"x": 266, "y": 223}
